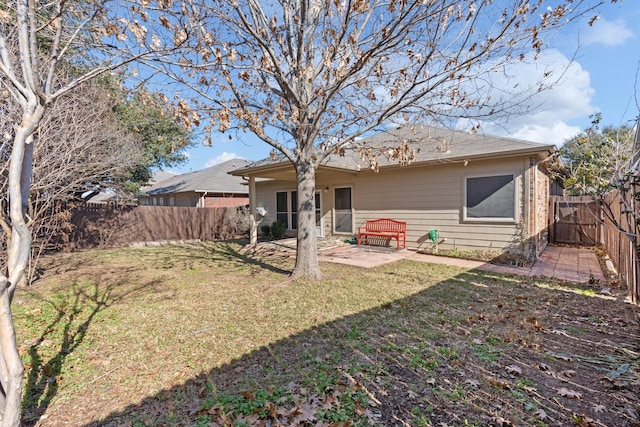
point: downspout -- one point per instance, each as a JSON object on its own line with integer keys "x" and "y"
{"x": 536, "y": 240}
{"x": 525, "y": 215}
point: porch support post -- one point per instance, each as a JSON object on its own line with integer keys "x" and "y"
{"x": 253, "y": 226}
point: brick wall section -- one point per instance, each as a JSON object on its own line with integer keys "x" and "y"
{"x": 542, "y": 210}
{"x": 537, "y": 228}
{"x": 226, "y": 202}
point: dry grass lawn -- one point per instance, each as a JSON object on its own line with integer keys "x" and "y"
{"x": 206, "y": 334}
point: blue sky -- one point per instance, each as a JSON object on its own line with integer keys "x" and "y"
{"x": 601, "y": 66}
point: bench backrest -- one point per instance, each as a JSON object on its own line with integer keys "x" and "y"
{"x": 386, "y": 224}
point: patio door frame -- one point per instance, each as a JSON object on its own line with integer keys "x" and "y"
{"x": 292, "y": 211}
{"x": 335, "y": 210}
{"x": 319, "y": 219}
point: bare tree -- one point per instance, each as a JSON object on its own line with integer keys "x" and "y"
{"x": 38, "y": 40}
{"x": 604, "y": 163}
{"x": 308, "y": 76}
{"x": 82, "y": 147}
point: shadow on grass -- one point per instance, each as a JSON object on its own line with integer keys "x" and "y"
{"x": 235, "y": 254}
{"x": 69, "y": 315}
{"x": 474, "y": 349}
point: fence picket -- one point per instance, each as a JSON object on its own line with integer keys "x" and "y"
{"x": 615, "y": 231}
{"x": 102, "y": 226}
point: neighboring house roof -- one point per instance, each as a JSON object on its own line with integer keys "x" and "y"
{"x": 159, "y": 176}
{"x": 215, "y": 179}
{"x": 109, "y": 195}
{"x": 430, "y": 144}
{"x": 156, "y": 177}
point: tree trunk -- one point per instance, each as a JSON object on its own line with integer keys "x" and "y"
{"x": 12, "y": 368}
{"x": 20, "y": 167}
{"x": 307, "y": 253}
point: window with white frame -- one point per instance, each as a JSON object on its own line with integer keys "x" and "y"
{"x": 287, "y": 208}
{"x": 490, "y": 198}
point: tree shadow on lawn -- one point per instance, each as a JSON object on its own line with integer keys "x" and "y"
{"x": 271, "y": 260}
{"x": 68, "y": 315}
{"x": 235, "y": 254}
{"x": 476, "y": 349}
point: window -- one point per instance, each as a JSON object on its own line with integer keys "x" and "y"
{"x": 287, "y": 208}
{"x": 343, "y": 212}
{"x": 318, "y": 215}
{"x": 490, "y": 198}
{"x": 294, "y": 210}
{"x": 281, "y": 208}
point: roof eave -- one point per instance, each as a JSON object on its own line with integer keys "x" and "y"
{"x": 542, "y": 152}
{"x": 248, "y": 171}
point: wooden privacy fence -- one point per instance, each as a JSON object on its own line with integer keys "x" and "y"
{"x": 582, "y": 220}
{"x": 575, "y": 220}
{"x": 617, "y": 238}
{"x": 100, "y": 226}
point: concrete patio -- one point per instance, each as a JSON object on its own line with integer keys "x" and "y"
{"x": 572, "y": 264}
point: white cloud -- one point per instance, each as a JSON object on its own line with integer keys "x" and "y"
{"x": 608, "y": 33}
{"x": 553, "y": 133}
{"x": 221, "y": 159}
{"x": 550, "y": 110}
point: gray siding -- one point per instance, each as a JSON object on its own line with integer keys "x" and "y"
{"x": 425, "y": 197}
{"x": 433, "y": 197}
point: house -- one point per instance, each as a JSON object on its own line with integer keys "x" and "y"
{"x": 478, "y": 191}
{"x": 109, "y": 196}
{"x": 212, "y": 187}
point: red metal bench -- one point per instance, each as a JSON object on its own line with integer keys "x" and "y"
{"x": 384, "y": 228}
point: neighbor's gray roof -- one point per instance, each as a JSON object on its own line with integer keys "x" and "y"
{"x": 430, "y": 143}
{"x": 156, "y": 177}
{"x": 214, "y": 179}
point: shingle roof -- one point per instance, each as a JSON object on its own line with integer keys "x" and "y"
{"x": 214, "y": 179}
{"x": 431, "y": 144}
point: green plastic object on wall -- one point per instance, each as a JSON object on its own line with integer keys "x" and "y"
{"x": 434, "y": 236}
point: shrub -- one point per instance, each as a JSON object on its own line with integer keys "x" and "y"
{"x": 241, "y": 218}
{"x": 278, "y": 229}
{"x": 266, "y": 230}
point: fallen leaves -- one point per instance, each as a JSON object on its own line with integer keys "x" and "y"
{"x": 297, "y": 407}
{"x": 533, "y": 323}
{"x": 558, "y": 356}
{"x": 499, "y": 383}
{"x": 566, "y": 374}
{"x": 540, "y": 414}
{"x": 585, "y": 421}
{"x": 571, "y": 394}
{"x": 502, "y": 422}
{"x": 514, "y": 369}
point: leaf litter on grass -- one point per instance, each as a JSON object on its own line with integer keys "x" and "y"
{"x": 234, "y": 341}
